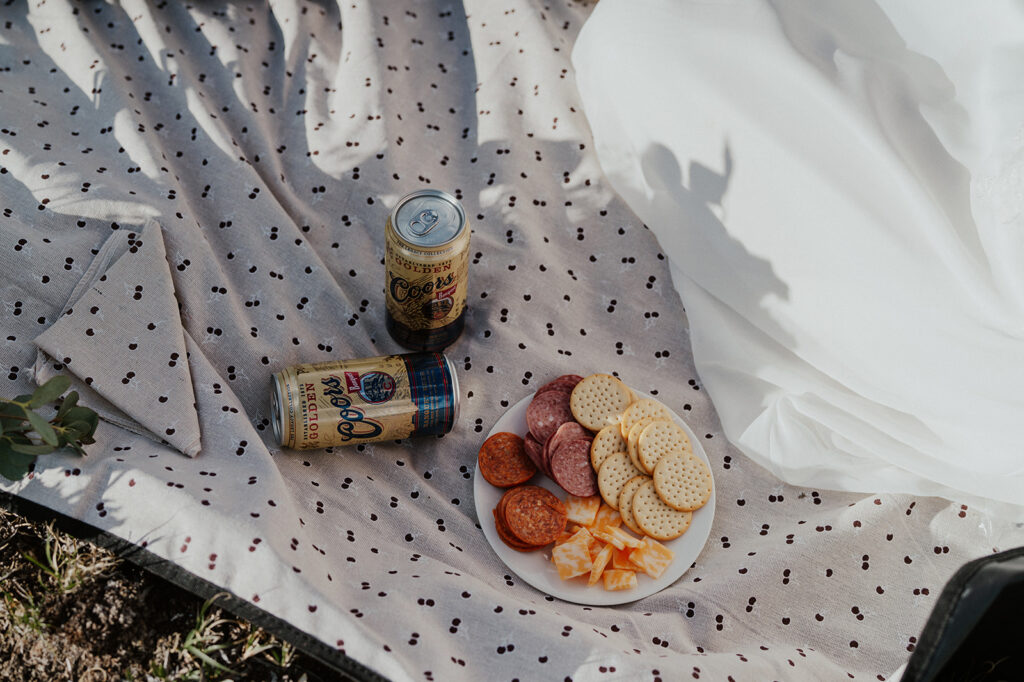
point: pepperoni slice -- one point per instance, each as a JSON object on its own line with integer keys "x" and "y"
{"x": 571, "y": 468}
{"x": 506, "y": 535}
{"x": 546, "y": 412}
{"x": 534, "y": 515}
{"x": 501, "y": 525}
{"x": 503, "y": 460}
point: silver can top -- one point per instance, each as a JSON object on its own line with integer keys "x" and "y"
{"x": 276, "y": 413}
{"x": 428, "y": 218}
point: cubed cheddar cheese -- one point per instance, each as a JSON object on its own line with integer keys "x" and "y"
{"x": 572, "y": 557}
{"x": 582, "y": 510}
{"x": 565, "y": 536}
{"x": 620, "y": 559}
{"x": 599, "y": 562}
{"x": 603, "y": 534}
{"x": 590, "y": 538}
{"x": 619, "y": 579}
{"x": 652, "y": 557}
{"x": 606, "y": 516}
{"x": 621, "y": 535}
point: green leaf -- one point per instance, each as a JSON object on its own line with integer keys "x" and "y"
{"x": 11, "y": 410}
{"x": 42, "y": 449}
{"x": 73, "y": 425}
{"x": 13, "y": 465}
{"x": 79, "y": 430}
{"x": 79, "y": 414}
{"x": 203, "y": 656}
{"x": 70, "y": 400}
{"x": 49, "y": 391}
{"x": 11, "y": 426}
{"x": 43, "y": 428}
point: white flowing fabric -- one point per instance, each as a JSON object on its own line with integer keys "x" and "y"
{"x": 840, "y": 190}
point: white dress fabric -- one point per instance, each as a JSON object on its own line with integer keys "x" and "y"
{"x": 192, "y": 197}
{"x": 839, "y": 189}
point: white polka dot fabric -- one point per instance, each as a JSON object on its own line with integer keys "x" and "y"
{"x": 204, "y": 189}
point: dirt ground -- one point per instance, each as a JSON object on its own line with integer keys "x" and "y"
{"x": 72, "y": 611}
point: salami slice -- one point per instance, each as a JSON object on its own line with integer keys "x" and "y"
{"x": 569, "y": 431}
{"x": 534, "y": 450}
{"x": 545, "y": 456}
{"x": 534, "y": 515}
{"x": 546, "y": 412}
{"x": 571, "y": 469}
{"x": 565, "y": 383}
{"x": 503, "y": 460}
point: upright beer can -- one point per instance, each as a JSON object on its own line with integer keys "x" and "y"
{"x": 427, "y": 267}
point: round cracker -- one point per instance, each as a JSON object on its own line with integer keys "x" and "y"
{"x": 598, "y": 400}
{"x": 626, "y": 502}
{"x": 613, "y": 474}
{"x": 682, "y": 481}
{"x": 646, "y": 408}
{"x": 658, "y": 439}
{"x": 631, "y": 442}
{"x": 656, "y": 518}
{"x": 607, "y": 441}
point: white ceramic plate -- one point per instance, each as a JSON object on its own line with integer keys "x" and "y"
{"x": 536, "y": 567}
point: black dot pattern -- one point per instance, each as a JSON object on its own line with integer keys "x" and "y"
{"x": 193, "y": 198}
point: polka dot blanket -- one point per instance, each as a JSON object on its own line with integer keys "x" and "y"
{"x": 194, "y": 198}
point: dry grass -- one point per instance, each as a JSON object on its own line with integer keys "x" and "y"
{"x": 72, "y": 611}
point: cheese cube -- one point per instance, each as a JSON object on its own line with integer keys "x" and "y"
{"x": 600, "y": 561}
{"x": 602, "y": 534}
{"x": 582, "y": 510}
{"x": 619, "y": 579}
{"x": 620, "y": 559}
{"x": 572, "y": 558}
{"x": 652, "y": 557}
{"x": 606, "y": 516}
{"x": 624, "y": 537}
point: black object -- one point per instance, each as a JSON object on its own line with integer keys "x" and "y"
{"x": 976, "y": 630}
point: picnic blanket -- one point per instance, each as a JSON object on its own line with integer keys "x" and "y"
{"x": 193, "y": 198}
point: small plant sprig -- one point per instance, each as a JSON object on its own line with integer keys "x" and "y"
{"x": 26, "y": 434}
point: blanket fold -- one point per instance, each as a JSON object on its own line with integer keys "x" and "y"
{"x": 122, "y": 338}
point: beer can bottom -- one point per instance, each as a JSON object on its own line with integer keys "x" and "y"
{"x": 426, "y": 339}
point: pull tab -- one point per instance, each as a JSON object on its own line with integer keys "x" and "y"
{"x": 425, "y": 221}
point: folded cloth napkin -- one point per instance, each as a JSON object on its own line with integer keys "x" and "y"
{"x": 837, "y": 186}
{"x": 122, "y": 339}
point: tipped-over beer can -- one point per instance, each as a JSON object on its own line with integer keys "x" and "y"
{"x": 365, "y": 400}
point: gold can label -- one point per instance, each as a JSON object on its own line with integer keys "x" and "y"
{"x": 364, "y": 400}
{"x": 425, "y": 290}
